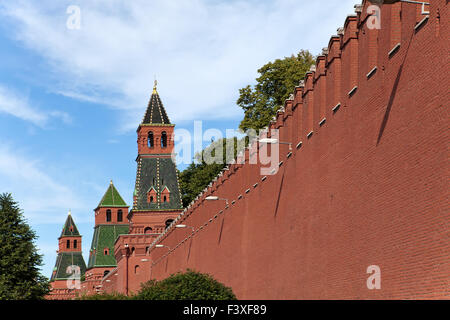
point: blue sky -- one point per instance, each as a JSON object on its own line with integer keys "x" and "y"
{"x": 71, "y": 99}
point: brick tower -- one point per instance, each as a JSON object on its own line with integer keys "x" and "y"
{"x": 110, "y": 222}
{"x": 156, "y": 199}
{"x": 70, "y": 265}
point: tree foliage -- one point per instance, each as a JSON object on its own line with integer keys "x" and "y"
{"x": 198, "y": 175}
{"x": 20, "y": 277}
{"x": 276, "y": 82}
{"x": 190, "y": 285}
{"x": 274, "y": 85}
{"x": 104, "y": 296}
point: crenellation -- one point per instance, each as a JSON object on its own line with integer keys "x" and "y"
{"x": 340, "y": 183}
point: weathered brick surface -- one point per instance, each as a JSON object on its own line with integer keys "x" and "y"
{"x": 370, "y": 187}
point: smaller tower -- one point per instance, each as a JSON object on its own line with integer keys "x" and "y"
{"x": 70, "y": 265}
{"x": 110, "y": 222}
{"x": 112, "y": 209}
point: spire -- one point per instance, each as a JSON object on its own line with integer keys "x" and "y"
{"x": 155, "y": 114}
{"x": 70, "y": 229}
{"x": 154, "y": 87}
{"x": 112, "y": 198}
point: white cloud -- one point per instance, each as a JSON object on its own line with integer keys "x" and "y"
{"x": 201, "y": 51}
{"x": 43, "y": 198}
{"x": 18, "y": 106}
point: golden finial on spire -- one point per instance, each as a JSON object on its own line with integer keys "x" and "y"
{"x": 70, "y": 212}
{"x": 154, "y": 86}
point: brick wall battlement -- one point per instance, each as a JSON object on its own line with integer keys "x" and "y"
{"x": 364, "y": 184}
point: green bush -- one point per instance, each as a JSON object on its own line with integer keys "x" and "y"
{"x": 190, "y": 285}
{"x": 104, "y": 296}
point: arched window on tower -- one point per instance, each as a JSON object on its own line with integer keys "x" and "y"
{"x": 75, "y": 243}
{"x": 136, "y": 269}
{"x": 148, "y": 230}
{"x": 68, "y": 244}
{"x": 168, "y": 223}
{"x": 165, "y": 195}
{"x": 105, "y": 273}
{"x": 150, "y": 139}
{"x": 119, "y": 215}
{"x": 108, "y": 215}
{"x": 164, "y": 139}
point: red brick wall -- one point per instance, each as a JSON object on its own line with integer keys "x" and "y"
{"x": 370, "y": 187}
{"x": 59, "y": 291}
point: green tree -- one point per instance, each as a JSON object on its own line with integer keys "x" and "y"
{"x": 104, "y": 296}
{"x": 276, "y": 82}
{"x": 190, "y": 285}
{"x": 198, "y": 175}
{"x": 20, "y": 277}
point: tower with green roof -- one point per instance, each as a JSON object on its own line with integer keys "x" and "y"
{"x": 110, "y": 222}
{"x": 70, "y": 265}
{"x": 156, "y": 198}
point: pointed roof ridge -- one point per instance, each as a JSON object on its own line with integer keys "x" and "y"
{"x": 69, "y": 229}
{"x": 155, "y": 113}
{"x": 154, "y": 87}
{"x": 112, "y": 198}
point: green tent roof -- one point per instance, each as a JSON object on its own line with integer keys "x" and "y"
{"x": 70, "y": 229}
{"x": 63, "y": 261}
{"x": 157, "y": 173}
{"x": 104, "y": 238}
{"x": 112, "y": 198}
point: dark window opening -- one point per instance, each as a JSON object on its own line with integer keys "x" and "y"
{"x": 165, "y": 199}
{"x": 151, "y": 199}
{"x": 164, "y": 139}
{"x": 108, "y": 215}
{"x": 136, "y": 269}
{"x": 148, "y": 230}
{"x": 150, "y": 140}
{"x": 168, "y": 223}
{"x": 75, "y": 244}
{"x": 105, "y": 273}
{"x": 119, "y": 215}
{"x": 68, "y": 244}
